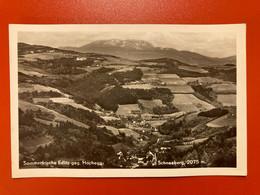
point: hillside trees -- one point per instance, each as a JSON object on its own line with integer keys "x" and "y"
{"x": 128, "y": 76}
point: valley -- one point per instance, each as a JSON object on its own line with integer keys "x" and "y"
{"x": 125, "y": 112}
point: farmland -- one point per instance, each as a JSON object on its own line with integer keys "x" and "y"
{"x": 138, "y": 86}
{"x": 209, "y": 80}
{"x": 222, "y": 121}
{"x": 176, "y": 88}
{"x": 193, "y": 69}
{"x": 224, "y": 88}
{"x": 110, "y": 109}
{"x": 171, "y": 79}
{"x": 227, "y": 100}
{"x": 68, "y": 101}
{"x": 57, "y": 117}
{"x": 127, "y": 109}
{"x": 188, "y": 102}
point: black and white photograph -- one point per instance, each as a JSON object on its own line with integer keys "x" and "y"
{"x": 128, "y": 100}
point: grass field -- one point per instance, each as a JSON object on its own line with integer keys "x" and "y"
{"x": 37, "y": 100}
{"x": 179, "y": 88}
{"x": 227, "y": 100}
{"x": 149, "y": 63}
{"x": 45, "y": 56}
{"x": 111, "y": 61}
{"x": 127, "y": 109}
{"x": 183, "y": 147}
{"x": 138, "y": 86}
{"x": 46, "y": 122}
{"x": 193, "y": 69}
{"x": 224, "y": 88}
{"x": 109, "y": 118}
{"x": 68, "y": 101}
{"x": 168, "y": 76}
{"x": 222, "y": 121}
{"x": 124, "y": 69}
{"x": 188, "y": 102}
{"x": 31, "y": 73}
{"x": 206, "y": 80}
{"x": 171, "y": 81}
{"x": 26, "y": 87}
{"x": 156, "y": 123}
{"x": 150, "y": 77}
{"x": 23, "y": 105}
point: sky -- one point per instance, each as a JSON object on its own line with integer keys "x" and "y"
{"x": 212, "y": 44}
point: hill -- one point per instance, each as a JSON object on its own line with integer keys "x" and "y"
{"x": 140, "y": 50}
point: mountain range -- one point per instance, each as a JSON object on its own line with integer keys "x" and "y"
{"x": 141, "y": 50}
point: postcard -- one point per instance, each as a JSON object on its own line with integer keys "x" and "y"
{"x": 128, "y": 100}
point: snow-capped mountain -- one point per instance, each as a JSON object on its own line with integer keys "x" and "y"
{"x": 140, "y": 50}
{"x": 129, "y": 44}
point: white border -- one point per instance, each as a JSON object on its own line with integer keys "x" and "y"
{"x": 240, "y": 170}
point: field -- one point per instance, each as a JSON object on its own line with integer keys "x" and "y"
{"x": 224, "y": 88}
{"x": 190, "y": 144}
{"x": 148, "y": 105}
{"x": 25, "y": 87}
{"x": 207, "y": 80}
{"x": 168, "y": 76}
{"x": 124, "y": 69}
{"x": 149, "y": 63}
{"x": 117, "y": 67}
{"x": 61, "y": 100}
{"x": 222, "y": 121}
{"x": 178, "y": 88}
{"x": 131, "y": 97}
{"x": 46, "y": 122}
{"x": 156, "y": 123}
{"x": 109, "y": 118}
{"x": 138, "y": 86}
{"x": 227, "y": 100}
{"x": 117, "y": 61}
{"x": 58, "y": 117}
{"x": 188, "y": 102}
{"x": 171, "y": 81}
{"x": 193, "y": 69}
{"x": 129, "y": 133}
{"x": 31, "y": 73}
{"x": 175, "y": 114}
{"x": 45, "y": 56}
{"x": 150, "y": 77}
{"x": 37, "y": 100}
{"x": 183, "y": 147}
{"x": 197, "y": 141}
{"x": 68, "y": 101}
{"x": 127, "y": 109}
